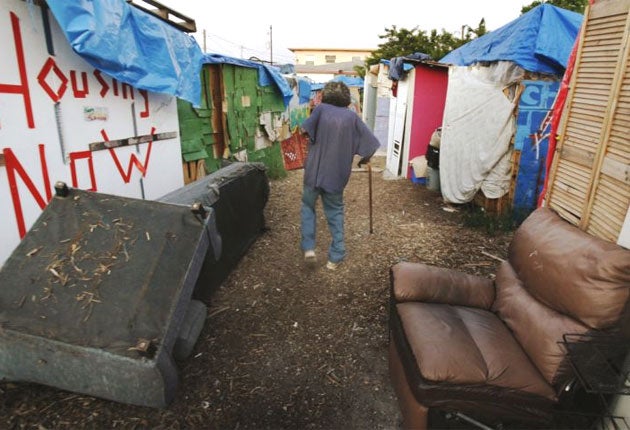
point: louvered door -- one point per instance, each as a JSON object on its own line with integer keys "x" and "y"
{"x": 590, "y": 177}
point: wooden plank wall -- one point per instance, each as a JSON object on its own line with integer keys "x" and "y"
{"x": 590, "y": 175}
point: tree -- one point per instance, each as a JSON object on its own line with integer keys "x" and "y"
{"x": 403, "y": 42}
{"x": 574, "y": 5}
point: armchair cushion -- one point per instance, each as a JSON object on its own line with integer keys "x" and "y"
{"x": 572, "y": 272}
{"x": 536, "y": 327}
{"x": 464, "y": 349}
{"x": 422, "y": 283}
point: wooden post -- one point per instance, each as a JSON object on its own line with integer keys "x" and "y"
{"x": 370, "y": 194}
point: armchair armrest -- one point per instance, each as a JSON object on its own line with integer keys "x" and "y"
{"x": 417, "y": 282}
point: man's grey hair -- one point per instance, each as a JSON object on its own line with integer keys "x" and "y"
{"x": 336, "y": 93}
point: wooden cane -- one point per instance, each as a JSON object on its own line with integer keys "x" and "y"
{"x": 369, "y": 166}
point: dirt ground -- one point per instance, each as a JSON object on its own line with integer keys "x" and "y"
{"x": 285, "y": 347}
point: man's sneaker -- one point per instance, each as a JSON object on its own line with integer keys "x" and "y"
{"x": 332, "y": 266}
{"x": 309, "y": 257}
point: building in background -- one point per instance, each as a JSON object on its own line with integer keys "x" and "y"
{"x": 323, "y": 64}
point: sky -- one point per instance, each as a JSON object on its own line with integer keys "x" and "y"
{"x": 247, "y": 28}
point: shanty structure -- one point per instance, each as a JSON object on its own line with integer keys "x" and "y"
{"x": 419, "y": 90}
{"x": 501, "y": 87}
{"x": 248, "y": 112}
{"x": 377, "y": 96}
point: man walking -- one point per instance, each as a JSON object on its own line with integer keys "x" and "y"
{"x": 336, "y": 134}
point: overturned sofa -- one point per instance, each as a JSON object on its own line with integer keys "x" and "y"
{"x": 236, "y": 194}
{"x": 97, "y": 297}
{"x": 502, "y": 352}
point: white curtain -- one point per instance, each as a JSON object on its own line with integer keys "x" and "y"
{"x": 477, "y": 127}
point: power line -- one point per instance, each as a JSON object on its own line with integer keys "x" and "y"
{"x": 251, "y": 52}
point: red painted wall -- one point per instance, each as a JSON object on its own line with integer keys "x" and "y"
{"x": 428, "y": 107}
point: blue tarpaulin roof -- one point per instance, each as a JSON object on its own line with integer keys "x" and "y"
{"x": 350, "y": 81}
{"x": 267, "y": 75}
{"x": 406, "y": 66}
{"x": 540, "y": 41}
{"x": 141, "y": 50}
{"x": 132, "y": 46}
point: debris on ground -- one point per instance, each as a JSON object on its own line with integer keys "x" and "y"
{"x": 285, "y": 346}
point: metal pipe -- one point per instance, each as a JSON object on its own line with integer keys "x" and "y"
{"x": 472, "y": 421}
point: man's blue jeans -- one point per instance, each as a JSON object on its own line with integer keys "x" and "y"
{"x": 333, "y": 209}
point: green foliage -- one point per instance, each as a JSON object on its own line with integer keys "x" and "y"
{"x": 360, "y": 71}
{"x": 403, "y": 42}
{"x": 574, "y": 5}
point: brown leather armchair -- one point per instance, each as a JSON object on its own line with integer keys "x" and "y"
{"x": 495, "y": 350}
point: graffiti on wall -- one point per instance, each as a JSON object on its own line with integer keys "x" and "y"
{"x": 535, "y": 103}
{"x": 53, "y": 105}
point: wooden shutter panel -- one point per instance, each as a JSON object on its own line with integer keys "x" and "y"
{"x": 590, "y": 176}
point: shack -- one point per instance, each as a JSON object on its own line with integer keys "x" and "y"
{"x": 248, "y": 111}
{"x": 377, "y": 95}
{"x": 501, "y": 87}
{"x": 414, "y": 90}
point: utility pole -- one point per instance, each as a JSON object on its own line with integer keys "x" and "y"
{"x": 271, "y": 44}
{"x": 204, "y": 41}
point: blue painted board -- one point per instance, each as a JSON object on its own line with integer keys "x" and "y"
{"x": 536, "y": 100}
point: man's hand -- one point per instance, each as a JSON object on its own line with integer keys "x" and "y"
{"x": 362, "y": 161}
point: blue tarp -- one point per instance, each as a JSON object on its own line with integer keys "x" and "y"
{"x": 141, "y": 50}
{"x": 132, "y": 46}
{"x": 304, "y": 90}
{"x": 539, "y": 41}
{"x": 267, "y": 75}
{"x": 399, "y": 66}
{"x": 406, "y": 66}
{"x": 350, "y": 81}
